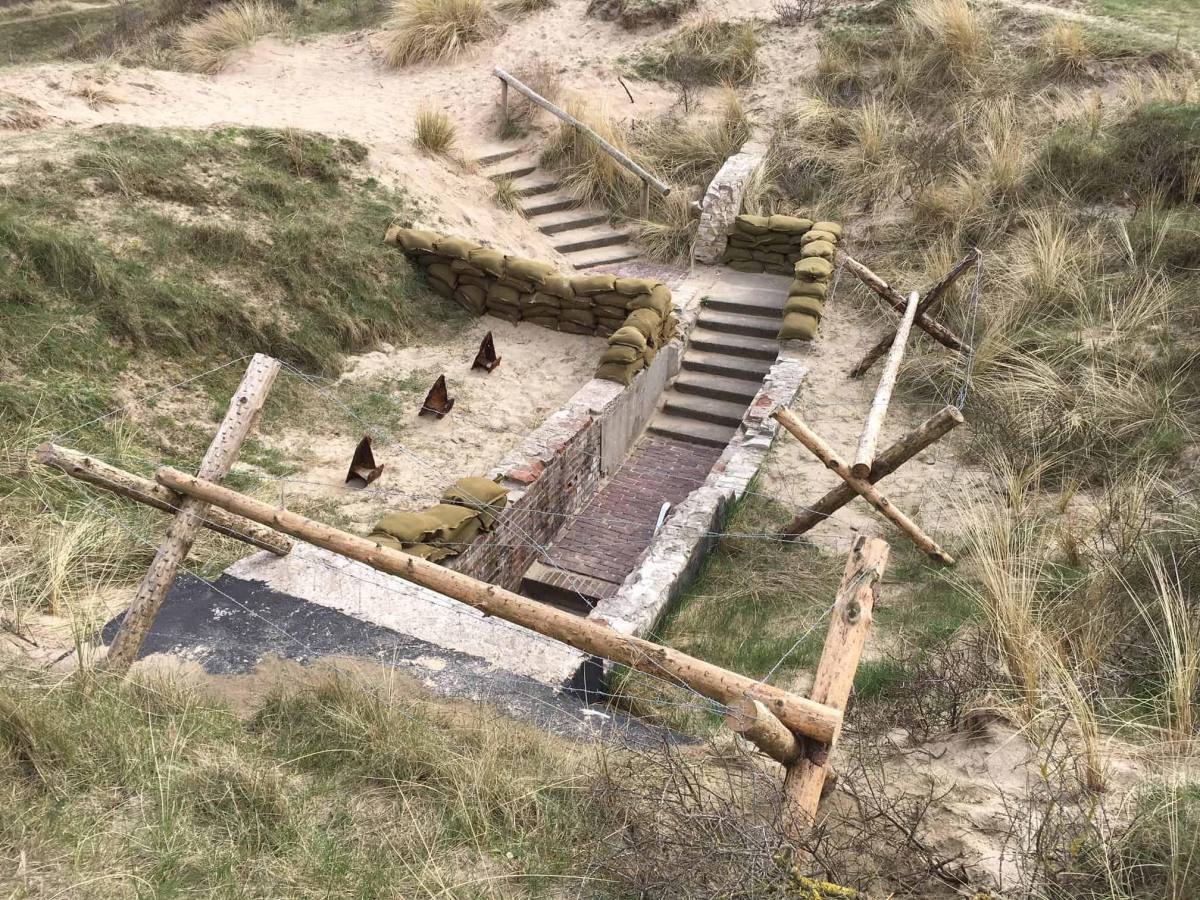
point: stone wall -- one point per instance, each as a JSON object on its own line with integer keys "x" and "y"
{"x": 723, "y": 201}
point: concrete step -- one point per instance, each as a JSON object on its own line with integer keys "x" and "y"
{"x": 590, "y": 239}
{"x": 569, "y": 220}
{"x": 489, "y": 156}
{"x": 734, "y": 344}
{"x": 535, "y": 185}
{"x": 750, "y": 303}
{"x": 603, "y": 256}
{"x": 685, "y": 429}
{"x": 513, "y": 167}
{"x": 736, "y": 323}
{"x": 719, "y": 387}
{"x": 739, "y": 367}
{"x": 543, "y": 204}
{"x": 705, "y": 409}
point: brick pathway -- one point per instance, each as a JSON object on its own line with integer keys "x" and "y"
{"x": 605, "y": 540}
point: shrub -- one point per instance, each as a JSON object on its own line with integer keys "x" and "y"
{"x": 435, "y": 30}
{"x": 668, "y": 235}
{"x": 692, "y": 154}
{"x": 434, "y": 132}
{"x": 523, "y": 7}
{"x": 634, "y": 13}
{"x": 1067, "y": 50}
{"x": 204, "y": 46}
{"x": 952, "y": 36}
{"x": 709, "y": 51}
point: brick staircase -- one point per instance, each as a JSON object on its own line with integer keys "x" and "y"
{"x": 581, "y": 233}
{"x": 732, "y": 347}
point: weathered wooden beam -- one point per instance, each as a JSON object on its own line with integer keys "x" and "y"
{"x": 834, "y": 679}
{"x": 143, "y": 490}
{"x": 243, "y": 412}
{"x": 929, "y": 300}
{"x": 883, "y": 393}
{"x": 887, "y": 462}
{"x": 753, "y": 721}
{"x": 932, "y": 327}
{"x": 817, "y": 446}
{"x": 799, "y": 714}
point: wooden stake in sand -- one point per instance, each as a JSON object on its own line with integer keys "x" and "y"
{"x": 822, "y": 451}
{"x": 883, "y": 393}
{"x": 244, "y": 409}
{"x": 102, "y": 475}
{"x": 800, "y": 715}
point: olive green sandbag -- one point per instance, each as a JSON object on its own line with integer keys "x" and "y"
{"x": 593, "y": 284}
{"x": 576, "y": 303}
{"x": 789, "y": 224}
{"x": 814, "y": 269}
{"x": 504, "y": 294}
{"x": 821, "y": 249}
{"x": 462, "y": 267}
{"x": 670, "y": 324}
{"x": 544, "y": 302}
{"x": 748, "y": 224}
{"x": 742, "y": 241}
{"x": 491, "y": 261}
{"x": 425, "y": 260}
{"x": 579, "y": 317}
{"x": 550, "y": 322}
{"x": 658, "y": 300}
{"x": 455, "y": 247}
{"x": 412, "y": 239}
{"x": 429, "y": 552}
{"x": 444, "y": 273}
{"x": 628, "y": 336}
{"x": 575, "y": 328}
{"x": 622, "y": 374}
{"x": 745, "y": 265}
{"x": 621, "y": 354}
{"x": 779, "y": 247}
{"x": 458, "y": 539}
{"x": 647, "y": 321}
{"x": 610, "y": 322}
{"x": 528, "y": 269}
{"x": 558, "y": 286}
{"x": 631, "y": 287}
{"x": 440, "y": 288}
{"x": 732, "y": 253}
{"x": 770, "y": 259}
{"x": 604, "y": 331}
{"x": 616, "y": 299}
{"x": 481, "y": 281}
{"x": 509, "y": 315}
{"x": 798, "y": 327}
{"x": 832, "y": 227}
{"x": 500, "y": 308}
{"x": 818, "y": 289}
{"x": 522, "y": 287}
{"x": 472, "y": 297}
{"x": 383, "y": 539}
{"x": 813, "y": 306}
{"x": 815, "y": 235}
{"x": 411, "y": 527}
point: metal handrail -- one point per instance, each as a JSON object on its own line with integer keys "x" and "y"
{"x": 648, "y": 180}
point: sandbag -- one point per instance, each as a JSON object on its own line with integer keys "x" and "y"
{"x": 745, "y": 265}
{"x": 550, "y": 322}
{"x": 615, "y": 299}
{"x": 814, "y": 269}
{"x": 408, "y": 526}
{"x": 462, "y": 267}
{"x": 748, "y": 224}
{"x": 832, "y": 227}
{"x": 771, "y": 259}
{"x": 442, "y": 272}
{"x": 732, "y": 253}
{"x": 491, "y": 261}
{"x": 622, "y": 374}
{"x": 647, "y": 321}
{"x": 460, "y": 538}
{"x": 531, "y": 270}
{"x": 480, "y": 494}
{"x": 543, "y": 302}
{"x": 472, "y": 297}
{"x": 455, "y": 247}
{"x": 574, "y": 328}
{"x": 576, "y": 303}
{"x": 480, "y": 281}
{"x": 440, "y": 288}
{"x": 821, "y": 249}
{"x": 628, "y": 336}
{"x": 523, "y": 287}
{"x": 613, "y": 322}
{"x": 429, "y": 552}
{"x": 604, "y": 331}
{"x": 808, "y": 289}
{"x": 383, "y": 539}
{"x": 412, "y": 239}
{"x": 579, "y": 317}
{"x": 798, "y": 327}
{"x": 504, "y": 294}
{"x": 631, "y": 287}
{"x": 619, "y": 353}
{"x": 558, "y": 286}
{"x": 592, "y": 284}
{"x": 425, "y": 260}
{"x": 812, "y": 306}
{"x": 789, "y": 224}
{"x": 449, "y": 517}
{"x": 658, "y": 300}
{"x": 815, "y": 235}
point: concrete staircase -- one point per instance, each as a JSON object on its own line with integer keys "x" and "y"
{"x": 732, "y": 347}
{"x": 581, "y": 233}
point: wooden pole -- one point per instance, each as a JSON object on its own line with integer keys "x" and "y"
{"x": 883, "y": 393}
{"x": 110, "y": 478}
{"x": 504, "y": 100}
{"x": 851, "y": 620}
{"x": 645, "y": 202}
{"x": 887, "y": 462}
{"x": 753, "y": 721}
{"x": 864, "y": 489}
{"x": 239, "y": 421}
{"x": 929, "y": 300}
{"x": 799, "y": 714}
{"x": 932, "y": 327}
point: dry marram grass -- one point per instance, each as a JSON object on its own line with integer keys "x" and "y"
{"x": 435, "y": 30}
{"x": 434, "y": 132}
{"x": 205, "y": 46}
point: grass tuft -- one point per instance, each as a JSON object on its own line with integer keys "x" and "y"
{"x": 435, "y": 30}
{"x": 205, "y": 46}
{"x": 434, "y": 132}
{"x": 708, "y": 51}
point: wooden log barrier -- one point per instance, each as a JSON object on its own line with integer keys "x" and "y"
{"x": 887, "y": 462}
{"x": 749, "y": 718}
{"x": 143, "y": 490}
{"x": 883, "y": 393}
{"x": 848, "y": 627}
{"x": 239, "y": 421}
{"x": 817, "y": 446}
{"x": 799, "y": 714}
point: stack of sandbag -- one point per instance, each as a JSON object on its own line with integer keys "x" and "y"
{"x": 446, "y": 529}
{"x": 766, "y": 243}
{"x": 810, "y": 285}
{"x": 648, "y": 323}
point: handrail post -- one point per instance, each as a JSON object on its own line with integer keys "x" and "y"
{"x": 645, "y": 199}
{"x": 503, "y": 101}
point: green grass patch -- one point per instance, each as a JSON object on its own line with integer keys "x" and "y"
{"x": 1170, "y": 18}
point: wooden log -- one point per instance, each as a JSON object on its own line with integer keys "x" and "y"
{"x": 932, "y": 327}
{"x": 834, "y": 679}
{"x": 864, "y": 489}
{"x": 887, "y": 462}
{"x": 883, "y": 393}
{"x": 929, "y": 300}
{"x": 753, "y": 721}
{"x": 799, "y": 714}
{"x": 143, "y": 490}
{"x": 239, "y": 421}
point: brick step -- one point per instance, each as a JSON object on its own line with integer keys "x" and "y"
{"x": 735, "y": 323}
{"x": 603, "y": 256}
{"x": 734, "y": 344}
{"x": 535, "y": 185}
{"x": 719, "y": 387}
{"x": 591, "y": 239}
{"x": 751, "y": 303}
{"x": 493, "y": 155}
{"x": 705, "y": 409}
{"x": 565, "y": 220}
{"x": 739, "y": 367}
{"x": 544, "y": 204}
{"x": 681, "y": 428}
{"x": 513, "y": 167}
